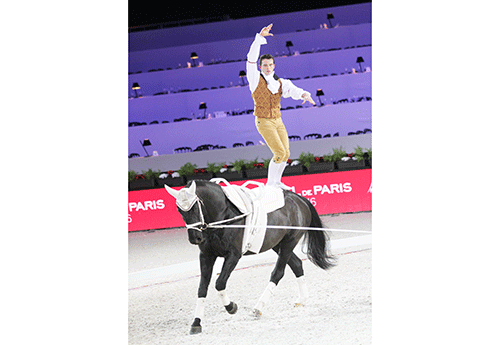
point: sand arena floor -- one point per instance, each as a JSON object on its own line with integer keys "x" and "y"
{"x": 164, "y": 277}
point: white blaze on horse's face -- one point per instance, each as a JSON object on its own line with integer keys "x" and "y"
{"x": 186, "y": 197}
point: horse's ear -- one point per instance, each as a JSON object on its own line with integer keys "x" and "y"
{"x": 173, "y": 192}
{"x": 192, "y": 189}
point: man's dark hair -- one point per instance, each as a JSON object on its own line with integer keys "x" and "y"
{"x": 265, "y": 56}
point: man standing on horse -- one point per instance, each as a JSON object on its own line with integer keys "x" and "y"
{"x": 267, "y": 90}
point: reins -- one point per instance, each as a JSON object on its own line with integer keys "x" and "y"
{"x": 202, "y": 225}
{"x": 222, "y": 224}
{"x": 284, "y": 227}
{"x": 216, "y": 224}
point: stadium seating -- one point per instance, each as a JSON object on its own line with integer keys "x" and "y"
{"x": 167, "y": 107}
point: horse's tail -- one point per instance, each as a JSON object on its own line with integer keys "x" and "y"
{"x": 317, "y": 250}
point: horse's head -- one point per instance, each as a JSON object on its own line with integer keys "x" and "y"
{"x": 191, "y": 208}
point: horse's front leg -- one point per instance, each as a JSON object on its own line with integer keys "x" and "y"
{"x": 206, "y": 267}
{"x": 230, "y": 262}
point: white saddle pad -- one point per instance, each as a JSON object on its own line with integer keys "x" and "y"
{"x": 258, "y": 202}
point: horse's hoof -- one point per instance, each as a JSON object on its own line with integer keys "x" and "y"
{"x": 232, "y": 308}
{"x": 196, "y": 326}
{"x": 257, "y": 313}
{"x": 195, "y": 330}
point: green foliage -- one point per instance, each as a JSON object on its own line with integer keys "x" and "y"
{"x": 358, "y": 153}
{"x": 214, "y": 167}
{"x": 131, "y": 175}
{"x": 306, "y": 159}
{"x": 328, "y": 158}
{"x": 150, "y": 174}
{"x": 238, "y": 164}
{"x": 338, "y": 154}
{"x": 187, "y": 169}
{"x": 266, "y": 163}
{"x": 250, "y": 164}
{"x": 369, "y": 151}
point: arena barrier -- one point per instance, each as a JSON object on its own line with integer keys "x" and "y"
{"x": 335, "y": 192}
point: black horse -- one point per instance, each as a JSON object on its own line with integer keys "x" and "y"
{"x": 201, "y": 203}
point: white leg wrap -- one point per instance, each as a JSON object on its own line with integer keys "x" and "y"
{"x": 264, "y": 299}
{"x": 273, "y": 174}
{"x": 200, "y": 308}
{"x": 224, "y": 298}
{"x": 275, "y": 171}
{"x": 282, "y": 167}
{"x": 303, "y": 292}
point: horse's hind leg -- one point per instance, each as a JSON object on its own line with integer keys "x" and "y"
{"x": 285, "y": 252}
{"x": 294, "y": 262}
{"x": 296, "y": 265}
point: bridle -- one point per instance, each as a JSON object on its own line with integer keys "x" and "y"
{"x": 202, "y": 225}
{"x": 185, "y": 200}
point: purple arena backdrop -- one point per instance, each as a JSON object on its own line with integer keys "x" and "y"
{"x": 185, "y": 104}
{"x": 227, "y": 75}
{"x": 307, "y": 41}
{"x": 315, "y": 65}
{"x": 342, "y": 118}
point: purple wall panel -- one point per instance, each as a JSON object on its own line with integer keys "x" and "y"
{"x": 165, "y": 138}
{"x": 172, "y": 106}
{"x": 227, "y": 74}
{"x": 237, "y": 49}
{"x": 230, "y": 40}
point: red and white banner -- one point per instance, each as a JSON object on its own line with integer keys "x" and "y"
{"x": 335, "y": 192}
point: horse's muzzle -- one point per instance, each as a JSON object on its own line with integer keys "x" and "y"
{"x": 195, "y": 237}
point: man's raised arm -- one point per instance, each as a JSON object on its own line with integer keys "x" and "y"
{"x": 253, "y": 57}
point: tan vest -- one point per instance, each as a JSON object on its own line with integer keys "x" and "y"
{"x": 266, "y": 104}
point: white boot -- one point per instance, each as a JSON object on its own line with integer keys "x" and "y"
{"x": 273, "y": 174}
{"x": 264, "y": 299}
{"x": 280, "y": 184}
{"x": 303, "y": 292}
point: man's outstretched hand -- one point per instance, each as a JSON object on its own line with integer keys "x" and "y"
{"x": 265, "y": 31}
{"x": 308, "y": 98}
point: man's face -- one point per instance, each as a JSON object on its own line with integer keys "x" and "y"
{"x": 267, "y": 66}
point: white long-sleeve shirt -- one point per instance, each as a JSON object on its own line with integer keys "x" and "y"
{"x": 253, "y": 74}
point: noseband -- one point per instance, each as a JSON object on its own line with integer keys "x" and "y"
{"x": 202, "y": 225}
